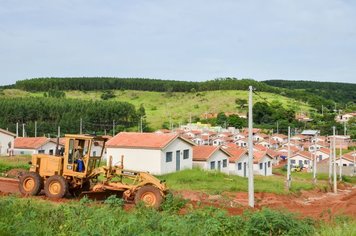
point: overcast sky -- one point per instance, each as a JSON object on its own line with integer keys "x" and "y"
{"x": 193, "y": 40}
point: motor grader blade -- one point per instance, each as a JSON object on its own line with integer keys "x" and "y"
{"x": 100, "y": 195}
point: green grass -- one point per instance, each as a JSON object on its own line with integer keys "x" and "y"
{"x": 28, "y": 216}
{"x": 216, "y": 183}
{"x": 306, "y": 176}
{"x": 160, "y": 107}
{"x": 8, "y": 163}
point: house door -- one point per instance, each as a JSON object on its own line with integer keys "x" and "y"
{"x": 177, "y": 160}
{"x": 265, "y": 168}
{"x": 245, "y": 169}
{"x": 219, "y": 165}
{"x": 300, "y": 163}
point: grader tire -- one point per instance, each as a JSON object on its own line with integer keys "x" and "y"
{"x": 56, "y": 187}
{"x": 150, "y": 196}
{"x": 30, "y": 184}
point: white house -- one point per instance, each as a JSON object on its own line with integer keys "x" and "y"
{"x": 322, "y": 154}
{"x": 262, "y": 163}
{"x": 156, "y": 153}
{"x": 6, "y": 142}
{"x": 35, "y": 145}
{"x": 347, "y": 159}
{"x": 281, "y": 138}
{"x": 211, "y": 158}
{"x": 238, "y": 136}
{"x": 302, "y": 159}
{"x": 241, "y": 142}
{"x": 238, "y": 162}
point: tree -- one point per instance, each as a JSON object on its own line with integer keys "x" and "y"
{"x": 221, "y": 119}
{"x": 241, "y": 103}
{"x": 262, "y": 113}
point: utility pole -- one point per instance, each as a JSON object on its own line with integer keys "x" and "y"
{"x": 23, "y": 130}
{"x": 35, "y": 128}
{"x": 251, "y": 192}
{"x": 330, "y": 162}
{"x": 59, "y": 132}
{"x": 345, "y": 129}
{"x": 17, "y": 129}
{"x": 113, "y": 128}
{"x": 334, "y": 161}
{"x": 141, "y": 125}
{"x": 277, "y": 128}
{"x": 314, "y": 162}
{"x": 81, "y": 126}
{"x": 289, "y": 180}
{"x": 340, "y": 163}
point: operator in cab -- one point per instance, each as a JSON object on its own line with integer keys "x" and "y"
{"x": 78, "y": 157}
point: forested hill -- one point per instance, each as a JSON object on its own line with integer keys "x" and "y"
{"x": 325, "y": 94}
{"x": 339, "y": 92}
{"x": 107, "y": 83}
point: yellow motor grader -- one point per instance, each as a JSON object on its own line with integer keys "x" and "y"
{"x": 77, "y": 170}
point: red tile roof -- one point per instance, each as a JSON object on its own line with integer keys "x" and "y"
{"x": 349, "y": 156}
{"x": 305, "y": 154}
{"x": 236, "y": 153}
{"x": 30, "y": 142}
{"x": 202, "y": 153}
{"x": 143, "y": 140}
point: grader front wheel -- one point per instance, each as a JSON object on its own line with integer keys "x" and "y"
{"x": 30, "y": 184}
{"x": 150, "y": 196}
{"x": 56, "y": 187}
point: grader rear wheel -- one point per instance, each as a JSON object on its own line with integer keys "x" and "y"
{"x": 30, "y": 184}
{"x": 150, "y": 196}
{"x": 56, "y": 187}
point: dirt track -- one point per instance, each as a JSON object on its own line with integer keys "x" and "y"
{"x": 8, "y": 185}
{"x": 315, "y": 204}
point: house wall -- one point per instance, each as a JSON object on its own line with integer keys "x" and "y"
{"x": 321, "y": 156}
{"x": 136, "y": 159}
{"x": 306, "y": 162}
{"x": 266, "y": 165}
{"x": 48, "y": 148}
{"x": 176, "y": 145}
{"x": 234, "y": 169}
{"x": 5, "y": 139}
{"x": 216, "y": 157}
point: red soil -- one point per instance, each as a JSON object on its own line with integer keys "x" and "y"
{"x": 316, "y": 204}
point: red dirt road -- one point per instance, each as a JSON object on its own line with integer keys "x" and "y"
{"x": 8, "y": 185}
{"x": 318, "y": 205}
{"x": 314, "y": 204}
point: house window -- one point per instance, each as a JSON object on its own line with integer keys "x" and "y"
{"x": 186, "y": 154}
{"x": 51, "y": 152}
{"x": 292, "y": 161}
{"x": 239, "y": 166}
{"x": 225, "y": 163}
{"x": 261, "y": 166}
{"x": 269, "y": 164}
{"x": 212, "y": 165}
{"x": 169, "y": 156}
{"x": 306, "y": 162}
{"x": 41, "y": 151}
{"x": 344, "y": 165}
{"x": 351, "y": 164}
{"x": 22, "y": 152}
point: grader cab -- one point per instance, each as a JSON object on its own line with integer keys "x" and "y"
{"x": 77, "y": 171}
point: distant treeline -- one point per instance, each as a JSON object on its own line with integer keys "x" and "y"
{"x": 104, "y": 83}
{"x": 339, "y": 92}
{"x": 309, "y": 95}
{"x": 66, "y": 113}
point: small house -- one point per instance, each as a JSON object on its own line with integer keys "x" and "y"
{"x": 6, "y": 142}
{"x": 35, "y": 145}
{"x": 156, "y": 153}
{"x": 211, "y": 158}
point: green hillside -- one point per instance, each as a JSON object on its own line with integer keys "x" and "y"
{"x": 160, "y": 106}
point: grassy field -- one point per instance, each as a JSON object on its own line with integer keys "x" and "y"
{"x": 179, "y": 106}
{"x": 8, "y": 163}
{"x": 216, "y": 183}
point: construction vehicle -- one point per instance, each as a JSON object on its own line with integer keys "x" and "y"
{"x": 78, "y": 171}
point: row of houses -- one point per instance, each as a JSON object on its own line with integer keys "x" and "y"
{"x": 162, "y": 153}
